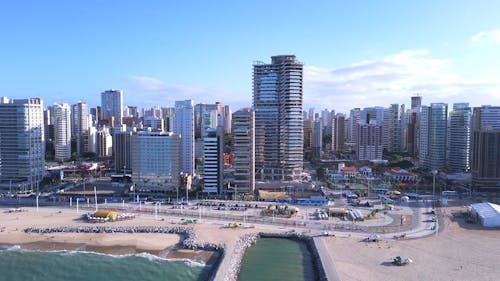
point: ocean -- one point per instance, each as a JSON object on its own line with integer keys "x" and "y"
{"x": 23, "y": 265}
{"x": 277, "y": 259}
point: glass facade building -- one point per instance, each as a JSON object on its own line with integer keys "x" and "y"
{"x": 277, "y": 103}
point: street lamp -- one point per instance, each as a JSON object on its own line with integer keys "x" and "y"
{"x": 434, "y": 173}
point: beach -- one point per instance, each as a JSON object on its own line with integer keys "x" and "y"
{"x": 163, "y": 245}
{"x": 459, "y": 251}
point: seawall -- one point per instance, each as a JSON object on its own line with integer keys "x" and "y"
{"x": 231, "y": 270}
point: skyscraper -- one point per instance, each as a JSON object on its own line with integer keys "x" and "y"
{"x": 433, "y": 135}
{"x": 156, "y": 160}
{"x": 22, "y": 159}
{"x": 243, "y": 125}
{"x": 112, "y": 107}
{"x": 317, "y": 139}
{"x": 277, "y": 102}
{"x": 62, "y": 131}
{"x": 104, "y": 143}
{"x": 213, "y": 161}
{"x": 122, "y": 151}
{"x": 416, "y": 103}
{"x": 393, "y": 123}
{"x": 486, "y": 149}
{"x": 354, "y": 119}
{"x": 184, "y": 126}
{"x": 227, "y": 120}
{"x": 79, "y": 125}
{"x": 369, "y": 144}
{"x": 338, "y": 135}
{"x": 413, "y": 128}
{"x": 459, "y": 140}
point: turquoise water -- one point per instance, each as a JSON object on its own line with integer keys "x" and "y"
{"x": 78, "y": 266}
{"x": 277, "y": 259}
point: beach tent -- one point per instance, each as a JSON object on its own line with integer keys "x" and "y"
{"x": 106, "y": 214}
{"x": 488, "y": 214}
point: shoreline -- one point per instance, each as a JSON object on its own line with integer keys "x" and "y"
{"x": 170, "y": 243}
{"x": 200, "y": 257}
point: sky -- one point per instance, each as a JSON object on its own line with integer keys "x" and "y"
{"x": 355, "y": 53}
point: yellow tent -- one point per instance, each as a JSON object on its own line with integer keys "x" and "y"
{"x": 106, "y": 214}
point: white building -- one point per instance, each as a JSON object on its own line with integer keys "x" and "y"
{"x": 184, "y": 126}
{"x": 156, "y": 160}
{"x": 62, "y": 131}
{"x": 104, "y": 143}
{"x": 22, "y": 146}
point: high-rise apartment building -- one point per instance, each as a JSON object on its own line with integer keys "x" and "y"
{"x": 48, "y": 132}
{"x": 243, "y": 127}
{"x": 277, "y": 102}
{"x": 317, "y": 139}
{"x": 207, "y": 116}
{"x": 213, "y": 160}
{"x": 104, "y": 143}
{"x": 184, "y": 127}
{"x": 122, "y": 151}
{"x": 413, "y": 127}
{"x": 393, "y": 133}
{"x": 156, "y": 160}
{"x": 354, "y": 119}
{"x": 112, "y": 107}
{"x": 227, "y": 115}
{"x": 486, "y": 149}
{"x": 433, "y": 135}
{"x": 79, "y": 125}
{"x": 369, "y": 145}
{"x": 308, "y": 132}
{"x": 22, "y": 159}
{"x": 416, "y": 103}
{"x": 338, "y": 132}
{"x": 459, "y": 140}
{"x": 62, "y": 131}
{"x": 168, "y": 115}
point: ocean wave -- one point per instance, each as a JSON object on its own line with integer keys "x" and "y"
{"x": 13, "y": 248}
{"x": 148, "y": 256}
{"x": 188, "y": 262}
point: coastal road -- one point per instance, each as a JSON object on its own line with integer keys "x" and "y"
{"x": 326, "y": 259}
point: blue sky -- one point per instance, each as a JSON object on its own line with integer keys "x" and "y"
{"x": 356, "y": 53}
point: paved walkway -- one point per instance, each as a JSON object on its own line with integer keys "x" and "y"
{"x": 326, "y": 259}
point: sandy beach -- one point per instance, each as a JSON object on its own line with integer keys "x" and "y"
{"x": 459, "y": 252}
{"x": 163, "y": 245}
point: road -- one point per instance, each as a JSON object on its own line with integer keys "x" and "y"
{"x": 326, "y": 259}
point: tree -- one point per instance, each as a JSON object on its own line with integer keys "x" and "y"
{"x": 321, "y": 173}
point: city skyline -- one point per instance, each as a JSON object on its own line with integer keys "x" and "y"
{"x": 360, "y": 54}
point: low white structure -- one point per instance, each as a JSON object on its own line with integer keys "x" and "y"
{"x": 488, "y": 214}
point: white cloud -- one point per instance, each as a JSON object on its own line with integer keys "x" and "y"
{"x": 393, "y": 79}
{"x": 150, "y": 91}
{"x": 487, "y": 36}
{"x": 148, "y": 83}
